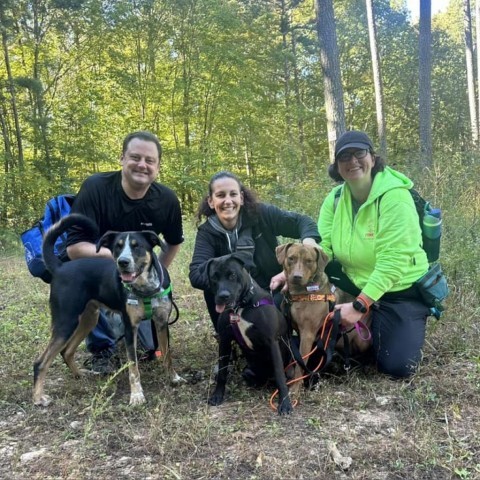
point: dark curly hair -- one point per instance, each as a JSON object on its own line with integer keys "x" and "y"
{"x": 250, "y": 201}
{"x": 378, "y": 167}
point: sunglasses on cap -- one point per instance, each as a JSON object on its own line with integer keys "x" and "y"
{"x": 346, "y": 156}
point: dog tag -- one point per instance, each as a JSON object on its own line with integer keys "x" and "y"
{"x": 314, "y": 287}
{"x": 132, "y": 301}
{"x": 234, "y": 318}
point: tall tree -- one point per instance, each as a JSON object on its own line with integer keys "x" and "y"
{"x": 467, "y": 19}
{"x": 477, "y": 23}
{"x": 332, "y": 80}
{"x": 424, "y": 81}
{"x": 377, "y": 78}
{"x": 11, "y": 86}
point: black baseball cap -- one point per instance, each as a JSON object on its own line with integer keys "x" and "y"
{"x": 353, "y": 139}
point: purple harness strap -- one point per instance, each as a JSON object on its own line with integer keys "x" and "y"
{"x": 360, "y": 327}
{"x": 234, "y": 320}
{"x": 263, "y": 301}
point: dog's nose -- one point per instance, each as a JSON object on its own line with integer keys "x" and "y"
{"x": 224, "y": 295}
{"x": 123, "y": 262}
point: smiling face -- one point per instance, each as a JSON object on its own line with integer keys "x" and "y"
{"x": 227, "y": 200}
{"x": 353, "y": 169}
{"x": 140, "y": 166}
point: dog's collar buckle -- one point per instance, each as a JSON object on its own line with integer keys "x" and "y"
{"x": 235, "y": 317}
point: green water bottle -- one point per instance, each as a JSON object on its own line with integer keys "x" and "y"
{"x": 432, "y": 231}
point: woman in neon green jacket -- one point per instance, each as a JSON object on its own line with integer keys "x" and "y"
{"x": 369, "y": 226}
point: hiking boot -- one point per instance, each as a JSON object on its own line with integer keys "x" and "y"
{"x": 104, "y": 362}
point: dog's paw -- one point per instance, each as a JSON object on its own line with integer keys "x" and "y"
{"x": 85, "y": 372}
{"x": 285, "y": 407}
{"x": 294, "y": 389}
{"x": 42, "y": 401}
{"x": 137, "y": 398}
{"x": 216, "y": 399}
{"x": 177, "y": 379}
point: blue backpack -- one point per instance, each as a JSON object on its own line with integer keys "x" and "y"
{"x": 56, "y": 208}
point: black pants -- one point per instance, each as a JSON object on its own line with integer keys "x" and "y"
{"x": 398, "y": 325}
{"x": 398, "y": 334}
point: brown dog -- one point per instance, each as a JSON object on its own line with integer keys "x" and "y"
{"x": 309, "y": 292}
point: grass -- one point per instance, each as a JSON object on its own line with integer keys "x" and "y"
{"x": 425, "y": 428}
{"x": 421, "y": 429}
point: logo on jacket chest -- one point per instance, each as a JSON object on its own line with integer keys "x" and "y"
{"x": 370, "y": 231}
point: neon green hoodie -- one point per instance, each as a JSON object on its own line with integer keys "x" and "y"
{"x": 380, "y": 249}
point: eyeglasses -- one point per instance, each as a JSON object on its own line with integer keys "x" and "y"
{"x": 358, "y": 154}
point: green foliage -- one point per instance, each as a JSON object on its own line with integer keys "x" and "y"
{"x": 225, "y": 85}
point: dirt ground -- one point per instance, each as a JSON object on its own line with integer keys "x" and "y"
{"x": 357, "y": 425}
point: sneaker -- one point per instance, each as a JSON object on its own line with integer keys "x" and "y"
{"x": 104, "y": 362}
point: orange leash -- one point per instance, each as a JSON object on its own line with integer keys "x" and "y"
{"x": 325, "y": 339}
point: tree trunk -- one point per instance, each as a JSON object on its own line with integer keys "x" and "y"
{"x": 424, "y": 83}
{"x": 332, "y": 79}
{"x": 284, "y": 29}
{"x": 40, "y": 122}
{"x": 377, "y": 79}
{"x": 477, "y": 21}
{"x": 299, "y": 106}
{"x": 470, "y": 72}
{"x": 11, "y": 89}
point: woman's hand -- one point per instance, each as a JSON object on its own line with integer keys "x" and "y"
{"x": 311, "y": 242}
{"x": 348, "y": 315}
{"x": 279, "y": 280}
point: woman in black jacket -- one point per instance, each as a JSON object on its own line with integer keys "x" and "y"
{"x": 235, "y": 221}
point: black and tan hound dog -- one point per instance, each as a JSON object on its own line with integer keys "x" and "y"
{"x": 80, "y": 287}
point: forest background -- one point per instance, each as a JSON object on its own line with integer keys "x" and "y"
{"x": 238, "y": 85}
{"x": 261, "y": 88}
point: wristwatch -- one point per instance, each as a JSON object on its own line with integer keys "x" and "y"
{"x": 359, "y": 306}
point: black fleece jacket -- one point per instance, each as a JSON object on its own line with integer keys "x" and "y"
{"x": 270, "y": 223}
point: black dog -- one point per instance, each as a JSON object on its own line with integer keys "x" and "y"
{"x": 80, "y": 287}
{"x": 247, "y": 315}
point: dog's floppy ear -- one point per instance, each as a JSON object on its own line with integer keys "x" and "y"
{"x": 152, "y": 238}
{"x": 106, "y": 240}
{"x": 245, "y": 258}
{"x": 322, "y": 260}
{"x": 209, "y": 264}
{"x": 281, "y": 252}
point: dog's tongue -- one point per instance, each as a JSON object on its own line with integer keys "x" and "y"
{"x": 219, "y": 308}
{"x": 128, "y": 277}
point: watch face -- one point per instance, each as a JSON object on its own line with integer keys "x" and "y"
{"x": 359, "y": 306}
